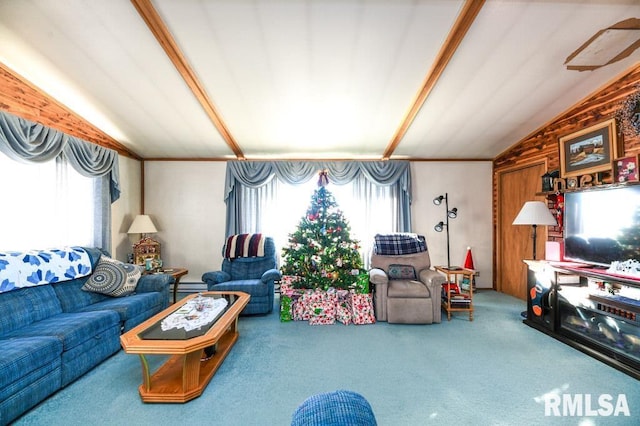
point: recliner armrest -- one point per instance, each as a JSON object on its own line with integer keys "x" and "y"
{"x": 378, "y": 276}
{"x": 215, "y": 277}
{"x": 270, "y": 275}
{"x": 433, "y": 279}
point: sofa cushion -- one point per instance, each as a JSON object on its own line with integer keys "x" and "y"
{"x": 407, "y": 289}
{"x": 252, "y": 287}
{"x": 72, "y": 298}
{"x": 20, "y": 356}
{"x": 71, "y": 328}
{"x": 113, "y": 278}
{"x": 130, "y": 306}
{"x": 25, "y": 306}
{"x": 401, "y": 272}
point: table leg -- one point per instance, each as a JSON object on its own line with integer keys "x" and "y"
{"x": 175, "y": 288}
{"x": 146, "y": 377}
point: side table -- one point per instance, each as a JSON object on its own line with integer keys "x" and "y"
{"x": 176, "y": 273}
{"x": 461, "y": 301}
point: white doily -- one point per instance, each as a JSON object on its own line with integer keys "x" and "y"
{"x": 195, "y": 313}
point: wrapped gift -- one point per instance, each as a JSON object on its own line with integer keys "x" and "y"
{"x": 323, "y": 313}
{"x": 362, "y": 309}
{"x": 301, "y": 308}
{"x": 362, "y": 283}
{"x": 343, "y": 313}
{"x": 286, "y": 313}
{"x": 286, "y": 285}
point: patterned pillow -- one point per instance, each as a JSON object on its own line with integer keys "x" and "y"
{"x": 401, "y": 272}
{"x": 113, "y": 278}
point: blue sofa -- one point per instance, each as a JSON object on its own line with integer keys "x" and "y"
{"x": 52, "y": 334}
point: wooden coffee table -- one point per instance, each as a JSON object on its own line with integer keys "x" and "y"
{"x": 185, "y": 375}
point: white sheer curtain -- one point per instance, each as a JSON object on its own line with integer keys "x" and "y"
{"x": 45, "y": 205}
{"x": 369, "y": 209}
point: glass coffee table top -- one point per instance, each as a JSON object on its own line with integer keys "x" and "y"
{"x": 192, "y": 319}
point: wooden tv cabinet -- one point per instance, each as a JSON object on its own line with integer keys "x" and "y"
{"x": 584, "y": 308}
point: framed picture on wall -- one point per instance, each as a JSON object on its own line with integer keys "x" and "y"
{"x": 625, "y": 169}
{"x": 589, "y": 150}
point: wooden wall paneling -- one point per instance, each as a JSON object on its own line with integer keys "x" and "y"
{"x": 542, "y": 145}
{"x": 19, "y": 97}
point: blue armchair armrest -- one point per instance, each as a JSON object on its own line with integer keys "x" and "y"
{"x": 270, "y": 275}
{"x": 216, "y": 277}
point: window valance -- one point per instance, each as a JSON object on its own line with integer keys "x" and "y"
{"x": 242, "y": 175}
{"x": 257, "y": 173}
{"x": 24, "y": 140}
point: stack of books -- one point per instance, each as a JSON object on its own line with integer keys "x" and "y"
{"x": 458, "y": 299}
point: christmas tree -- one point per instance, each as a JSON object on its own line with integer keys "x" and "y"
{"x": 321, "y": 252}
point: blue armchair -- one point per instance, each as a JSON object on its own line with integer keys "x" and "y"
{"x": 253, "y": 275}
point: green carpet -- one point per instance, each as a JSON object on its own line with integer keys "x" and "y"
{"x": 492, "y": 371}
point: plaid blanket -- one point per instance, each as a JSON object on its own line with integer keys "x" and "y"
{"x": 244, "y": 245}
{"x": 400, "y": 243}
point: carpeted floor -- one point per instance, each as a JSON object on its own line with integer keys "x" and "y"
{"x": 492, "y": 371}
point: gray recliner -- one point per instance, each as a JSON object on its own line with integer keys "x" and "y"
{"x": 405, "y": 300}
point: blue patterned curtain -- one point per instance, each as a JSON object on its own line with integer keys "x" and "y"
{"x": 24, "y": 140}
{"x": 255, "y": 174}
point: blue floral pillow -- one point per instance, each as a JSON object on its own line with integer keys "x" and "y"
{"x": 401, "y": 272}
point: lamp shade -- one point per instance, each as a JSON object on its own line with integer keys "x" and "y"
{"x": 142, "y": 224}
{"x": 535, "y": 213}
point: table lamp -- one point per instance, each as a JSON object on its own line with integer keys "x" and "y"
{"x": 146, "y": 248}
{"x": 142, "y": 224}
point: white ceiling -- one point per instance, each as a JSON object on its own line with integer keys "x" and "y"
{"x": 311, "y": 78}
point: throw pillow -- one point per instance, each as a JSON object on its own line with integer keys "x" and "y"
{"x": 401, "y": 272}
{"x": 113, "y": 278}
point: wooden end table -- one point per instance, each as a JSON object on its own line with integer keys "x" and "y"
{"x": 176, "y": 273}
{"x": 465, "y": 303}
{"x": 185, "y": 375}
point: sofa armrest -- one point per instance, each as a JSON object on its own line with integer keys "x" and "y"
{"x": 270, "y": 276}
{"x": 154, "y": 282}
{"x": 216, "y": 277}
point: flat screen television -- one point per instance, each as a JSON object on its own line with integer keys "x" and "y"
{"x": 602, "y": 225}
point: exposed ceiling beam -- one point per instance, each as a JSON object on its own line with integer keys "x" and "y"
{"x": 468, "y": 14}
{"x": 20, "y": 97}
{"x": 161, "y": 32}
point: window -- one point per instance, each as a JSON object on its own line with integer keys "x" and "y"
{"x": 369, "y": 209}
{"x": 46, "y": 205}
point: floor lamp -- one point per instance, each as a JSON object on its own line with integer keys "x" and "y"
{"x": 451, "y": 214}
{"x": 535, "y": 213}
